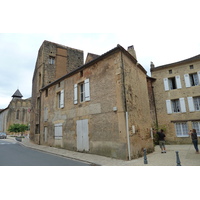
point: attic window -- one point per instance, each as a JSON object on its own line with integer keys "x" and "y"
{"x": 191, "y": 67}
{"x": 51, "y": 60}
{"x": 170, "y": 71}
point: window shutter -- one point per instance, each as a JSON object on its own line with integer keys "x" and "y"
{"x": 62, "y": 99}
{"x": 58, "y": 131}
{"x": 199, "y": 76}
{"x": 169, "y": 107}
{"x": 75, "y": 94}
{"x": 45, "y": 114}
{"x": 178, "y": 82}
{"x": 182, "y": 103}
{"x": 187, "y": 80}
{"x": 166, "y": 85}
{"x": 191, "y": 104}
{"x": 87, "y": 90}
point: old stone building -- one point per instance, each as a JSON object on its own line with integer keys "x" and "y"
{"x": 100, "y": 107}
{"x": 177, "y": 98}
{"x": 17, "y": 112}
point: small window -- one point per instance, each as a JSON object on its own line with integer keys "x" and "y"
{"x": 51, "y": 60}
{"x": 59, "y": 84}
{"x": 181, "y": 129}
{"x": 46, "y": 93}
{"x": 170, "y": 71}
{"x": 60, "y": 96}
{"x": 82, "y": 92}
{"x": 81, "y": 73}
{"x": 191, "y": 67}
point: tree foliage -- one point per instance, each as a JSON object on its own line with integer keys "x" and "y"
{"x": 18, "y": 128}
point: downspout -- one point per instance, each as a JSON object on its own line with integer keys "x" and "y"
{"x": 126, "y": 111}
{"x": 154, "y": 105}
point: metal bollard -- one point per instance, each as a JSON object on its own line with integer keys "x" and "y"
{"x": 145, "y": 157}
{"x": 177, "y": 159}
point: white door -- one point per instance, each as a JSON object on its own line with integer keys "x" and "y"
{"x": 82, "y": 135}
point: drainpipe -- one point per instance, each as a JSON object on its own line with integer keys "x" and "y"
{"x": 125, "y": 106}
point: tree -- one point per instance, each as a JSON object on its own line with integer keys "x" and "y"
{"x": 18, "y": 128}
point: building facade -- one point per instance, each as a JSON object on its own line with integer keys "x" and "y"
{"x": 177, "y": 98}
{"x": 101, "y": 107}
{"x": 17, "y": 112}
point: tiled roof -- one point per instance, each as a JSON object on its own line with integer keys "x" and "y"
{"x": 189, "y": 60}
{"x": 17, "y": 94}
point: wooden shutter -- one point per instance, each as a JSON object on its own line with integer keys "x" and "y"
{"x": 169, "y": 107}
{"x": 178, "y": 82}
{"x": 166, "y": 84}
{"x": 75, "y": 94}
{"x": 62, "y": 99}
{"x": 187, "y": 80}
{"x": 87, "y": 90}
{"x": 191, "y": 104}
{"x": 182, "y": 104}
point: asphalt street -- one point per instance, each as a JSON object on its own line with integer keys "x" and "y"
{"x": 14, "y": 154}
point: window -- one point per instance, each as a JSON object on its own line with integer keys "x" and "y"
{"x": 170, "y": 71}
{"x": 192, "y": 79}
{"x": 46, "y": 93}
{"x": 196, "y": 125}
{"x": 172, "y": 83}
{"x": 181, "y": 129}
{"x": 194, "y": 104}
{"x": 82, "y": 92}
{"x": 191, "y": 67}
{"x": 51, "y": 60}
{"x": 58, "y": 131}
{"x": 61, "y": 99}
{"x": 45, "y": 114}
{"x": 176, "y": 106}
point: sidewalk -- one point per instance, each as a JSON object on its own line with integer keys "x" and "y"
{"x": 186, "y": 154}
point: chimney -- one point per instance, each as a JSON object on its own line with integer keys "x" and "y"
{"x": 152, "y": 65}
{"x": 131, "y": 50}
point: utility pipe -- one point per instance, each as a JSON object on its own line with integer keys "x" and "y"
{"x": 128, "y": 139}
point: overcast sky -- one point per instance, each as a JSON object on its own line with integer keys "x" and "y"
{"x": 161, "y": 31}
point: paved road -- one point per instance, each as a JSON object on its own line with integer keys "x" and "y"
{"x": 14, "y": 154}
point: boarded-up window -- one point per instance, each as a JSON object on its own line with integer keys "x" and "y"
{"x": 58, "y": 131}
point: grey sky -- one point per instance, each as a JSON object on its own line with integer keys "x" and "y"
{"x": 161, "y": 31}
